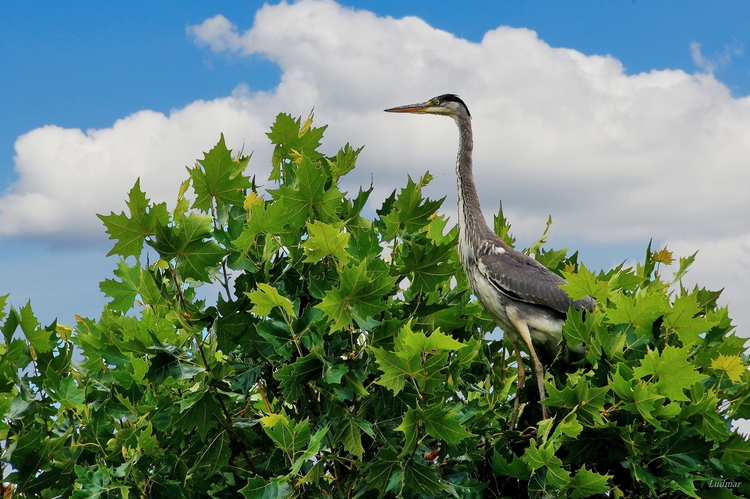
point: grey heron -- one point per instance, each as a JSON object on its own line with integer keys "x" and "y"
{"x": 521, "y": 295}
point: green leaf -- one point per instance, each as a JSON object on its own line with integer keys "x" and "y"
{"x": 68, "y": 393}
{"x": 570, "y": 425}
{"x": 125, "y": 290}
{"x": 344, "y": 162}
{"x": 258, "y": 488}
{"x": 409, "y": 343}
{"x": 361, "y": 291}
{"x": 262, "y": 217}
{"x": 309, "y": 199}
{"x": 189, "y": 246}
{"x": 577, "y": 331}
{"x": 544, "y": 456}
{"x": 3, "y": 300}
{"x": 410, "y": 428}
{"x": 683, "y": 320}
{"x": 422, "y": 479}
{"x": 396, "y": 369}
{"x": 730, "y": 365}
{"x": 149, "y": 292}
{"x": 38, "y": 337}
{"x": 199, "y": 412}
{"x": 583, "y": 283}
{"x": 685, "y": 263}
{"x": 286, "y": 134}
{"x": 671, "y": 370}
{"x": 288, "y": 437}
{"x": 736, "y": 451}
{"x": 132, "y": 231}
{"x": 380, "y": 469}
{"x": 410, "y": 211}
{"x": 427, "y": 265}
{"x": 313, "y": 447}
{"x": 350, "y": 434}
{"x": 640, "y": 311}
{"x": 325, "y": 240}
{"x": 579, "y": 393}
{"x": 295, "y": 376}
{"x": 704, "y": 416}
{"x": 586, "y": 483}
{"x": 443, "y": 425}
{"x": 94, "y": 481}
{"x": 502, "y": 227}
{"x": 218, "y": 176}
{"x": 334, "y": 374}
{"x": 646, "y": 401}
{"x": 517, "y": 468}
{"x": 213, "y": 457}
{"x": 266, "y": 297}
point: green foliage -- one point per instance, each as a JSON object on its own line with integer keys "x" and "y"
{"x": 346, "y": 357}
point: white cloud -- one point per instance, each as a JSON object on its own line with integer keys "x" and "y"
{"x": 711, "y": 64}
{"x": 720, "y": 264}
{"x": 613, "y": 157}
{"x": 66, "y": 176}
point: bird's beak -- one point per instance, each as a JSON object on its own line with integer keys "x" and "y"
{"x": 420, "y": 108}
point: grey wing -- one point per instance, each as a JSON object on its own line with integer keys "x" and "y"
{"x": 522, "y": 278}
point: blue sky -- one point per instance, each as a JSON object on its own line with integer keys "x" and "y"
{"x": 85, "y": 65}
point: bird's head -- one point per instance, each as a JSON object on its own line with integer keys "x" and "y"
{"x": 446, "y": 104}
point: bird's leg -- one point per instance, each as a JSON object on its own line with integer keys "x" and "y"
{"x": 519, "y": 382}
{"x": 523, "y": 331}
{"x": 539, "y": 371}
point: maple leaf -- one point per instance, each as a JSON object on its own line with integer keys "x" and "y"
{"x": 266, "y": 297}
{"x": 349, "y": 433}
{"x": 444, "y": 425}
{"x": 671, "y": 370}
{"x": 639, "y": 310}
{"x": 344, "y": 161}
{"x": 584, "y": 283}
{"x": 38, "y": 337}
{"x": 122, "y": 292}
{"x": 396, "y": 368}
{"x": 683, "y": 318}
{"x": 361, "y": 291}
{"x": 410, "y": 211}
{"x": 325, "y": 240}
{"x": 663, "y": 256}
{"x": 308, "y": 198}
{"x": 730, "y": 365}
{"x": 218, "y": 176}
{"x": 428, "y": 265}
{"x": 288, "y": 436}
{"x": 587, "y": 483}
{"x": 252, "y": 199}
{"x": 288, "y": 137}
{"x": 408, "y": 343}
{"x": 189, "y": 245}
{"x": 132, "y": 231}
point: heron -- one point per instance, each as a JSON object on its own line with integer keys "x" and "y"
{"x": 520, "y": 294}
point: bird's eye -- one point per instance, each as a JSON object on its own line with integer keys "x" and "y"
{"x": 436, "y": 102}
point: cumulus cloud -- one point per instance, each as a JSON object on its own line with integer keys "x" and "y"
{"x": 722, "y": 263}
{"x": 612, "y": 156}
{"x": 66, "y": 176}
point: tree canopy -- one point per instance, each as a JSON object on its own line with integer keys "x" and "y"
{"x": 346, "y": 357}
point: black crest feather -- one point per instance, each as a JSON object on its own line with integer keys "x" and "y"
{"x": 452, "y": 98}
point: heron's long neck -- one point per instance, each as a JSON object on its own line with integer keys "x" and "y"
{"x": 471, "y": 224}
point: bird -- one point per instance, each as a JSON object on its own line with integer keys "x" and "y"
{"x": 522, "y": 296}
